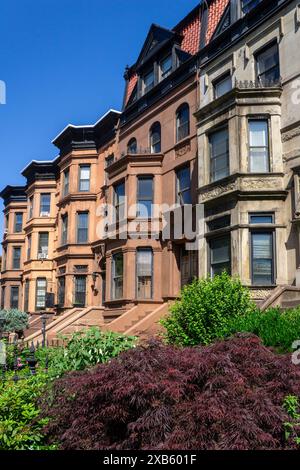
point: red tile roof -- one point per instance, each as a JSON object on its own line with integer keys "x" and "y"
{"x": 216, "y": 10}
{"x": 131, "y": 84}
{"x": 191, "y": 36}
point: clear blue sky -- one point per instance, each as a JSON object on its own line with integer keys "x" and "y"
{"x": 63, "y": 62}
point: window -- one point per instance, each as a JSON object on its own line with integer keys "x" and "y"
{"x": 14, "y": 297}
{"x": 183, "y": 186}
{"x": 26, "y": 296}
{"x": 28, "y": 247}
{"x": 16, "y": 257}
{"x": 148, "y": 81}
{"x": 45, "y": 205}
{"x": 166, "y": 67}
{"x": 18, "y": 222}
{"x": 61, "y": 288}
{"x": 80, "y": 291}
{"x": 132, "y": 146}
{"x": 222, "y": 85}
{"x": 219, "y": 154}
{"x": 4, "y": 259}
{"x": 155, "y": 138}
{"x": 64, "y": 229}
{"x": 218, "y": 223}
{"x": 108, "y": 162}
{"x": 261, "y": 218}
{"x": 66, "y": 182}
{"x": 220, "y": 255}
{"x": 119, "y": 201}
{"x": 30, "y": 209}
{"x": 145, "y": 196}
{"x": 6, "y": 222}
{"x": 82, "y": 227}
{"x": 43, "y": 245}
{"x": 182, "y": 122}
{"x": 247, "y": 5}
{"x": 84, "y": 178}
{"x": 117, "y": 276}
{"x": 2, "y": 298}
{"x": 262, "y": 262}
{"x": 144, "y": 273}
{"x": 41, "y": 289}
{"x": 267, "y": 64}
{"x": 259, "y": 146}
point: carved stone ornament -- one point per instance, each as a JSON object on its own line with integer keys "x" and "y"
{"x": 217, "y": 191}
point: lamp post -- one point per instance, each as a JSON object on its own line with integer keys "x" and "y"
{"x": 44, "y": 323}
{"x": 2, "y": 325}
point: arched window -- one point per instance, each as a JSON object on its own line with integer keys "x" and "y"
{"x": 155, "y": 138}
{"x": 132, "y": 146}
{"x": 182, "y": 122}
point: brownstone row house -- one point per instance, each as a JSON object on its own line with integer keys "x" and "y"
{"x": 206, "y": 120}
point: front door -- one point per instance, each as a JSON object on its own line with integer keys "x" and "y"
{"x": 188, "y": 266}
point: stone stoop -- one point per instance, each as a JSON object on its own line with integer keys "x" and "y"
{"x": 36, "y": 336}
{"x": 283, "y": 297}
{"x": 35, "y": 323}
{"x": 149, "y": 326}
{"x": 130, "y": 317}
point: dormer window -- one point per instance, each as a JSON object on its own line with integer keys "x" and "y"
{"x": 166, "y": 67}
{"x": 148, "y": 81}
{"x": 247, "y": 5}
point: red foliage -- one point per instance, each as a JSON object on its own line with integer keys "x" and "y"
{"x": 225, "y": 396}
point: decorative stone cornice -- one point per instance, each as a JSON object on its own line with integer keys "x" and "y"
{"x": 242, "y": 183}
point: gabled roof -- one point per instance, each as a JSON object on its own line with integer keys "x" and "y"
{"x": 156, "y": 38}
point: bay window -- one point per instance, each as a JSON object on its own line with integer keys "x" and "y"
{"x": 117, "y": 276}
{"x": 84, "y": 178}
{"x": 144, "y": 273}
{"x": 64, "y": 229}
{"x": 119, "y": 201}
{"x": 43, "y": 245}
{"x": 14, "y": 297}
{"x": 41, "y": 290}
{"x": 259, "y": 146}
{"x": 145, "y": 196}
{"x": 80, "y": 291}
{"x": 18, "y": 222}
{"x": 262, "y": 250}
{"x": 220, "y": 255}
{"x": 82, "y": 227}
{"x": 219, "y": 154}
{"x": 16, "y": 264}
{"x": 45, "y": 205}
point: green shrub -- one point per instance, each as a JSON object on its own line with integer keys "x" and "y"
{"x": 203, "y": 311}
{"x": 15, "y": 320}
{"x": 83, "y": 350}
{"x": 21, "y": 427}
{"x": 276, "y": 328}
{"x": 292, "y": 428}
